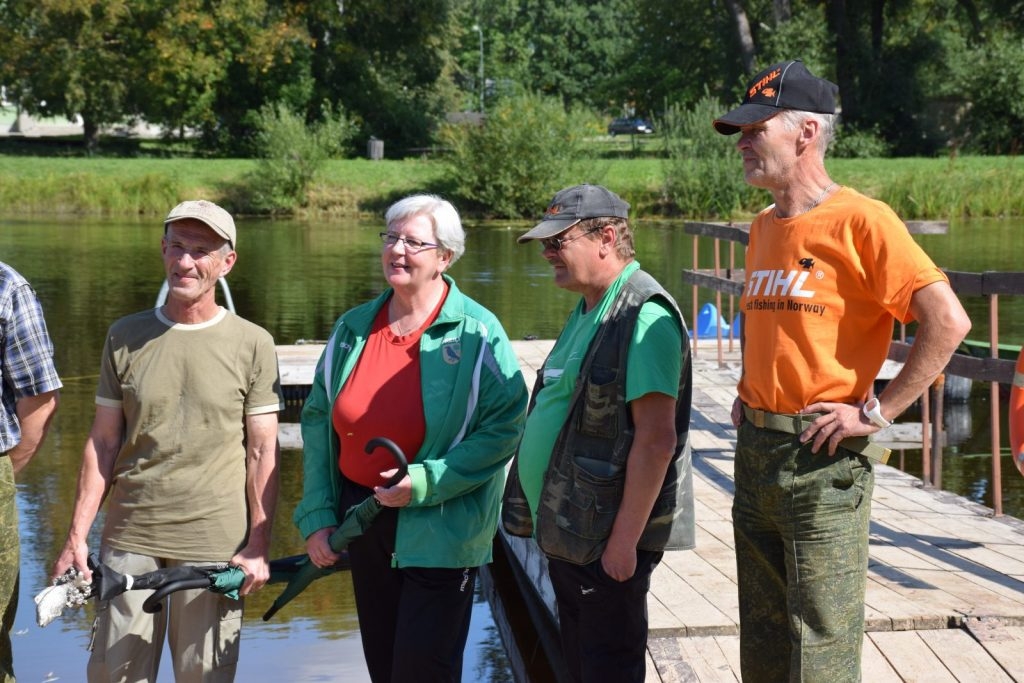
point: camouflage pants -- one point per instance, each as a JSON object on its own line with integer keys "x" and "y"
{"x": 9, "y": 567}
{"x": 801, "y": 529}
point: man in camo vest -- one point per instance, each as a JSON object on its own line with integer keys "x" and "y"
{"x": 602, "y": 479}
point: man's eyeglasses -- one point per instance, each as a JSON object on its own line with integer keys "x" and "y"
{"x": 412, "y": 245}
{"x": 557, "y": 243}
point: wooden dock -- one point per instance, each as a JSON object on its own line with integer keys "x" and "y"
{"x": 945, "y": 595}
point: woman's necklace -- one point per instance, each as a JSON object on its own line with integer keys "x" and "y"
{"x": 397, "y": 327}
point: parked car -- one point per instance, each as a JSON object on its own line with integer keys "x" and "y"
{"x": 628, "y": 126}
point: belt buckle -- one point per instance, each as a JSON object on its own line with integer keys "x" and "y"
{"x": 759, "y": 418}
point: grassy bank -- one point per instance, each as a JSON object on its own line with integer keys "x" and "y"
{"x": 916, "y": 188}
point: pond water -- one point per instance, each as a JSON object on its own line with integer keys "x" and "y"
{"x": 294, "y": 278}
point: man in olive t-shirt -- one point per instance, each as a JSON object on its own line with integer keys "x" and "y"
{"x": 184, "y": 449}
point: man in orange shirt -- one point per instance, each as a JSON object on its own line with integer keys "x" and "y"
{"x": 828, "y": 270}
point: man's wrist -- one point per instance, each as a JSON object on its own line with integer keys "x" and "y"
{"x": 873, "y": 411}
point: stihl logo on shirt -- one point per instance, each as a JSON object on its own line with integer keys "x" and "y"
{"x": 779, "y": 283}
{"x": 765, "y": 288}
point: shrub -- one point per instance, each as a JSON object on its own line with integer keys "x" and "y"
{"x": 703, "y": 173}
{"x": 516, "y": 159}
{"x": 291, "y": 155}
{"x": 852, "y": 143}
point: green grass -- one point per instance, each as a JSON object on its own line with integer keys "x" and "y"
{"x": 916, "y": 188}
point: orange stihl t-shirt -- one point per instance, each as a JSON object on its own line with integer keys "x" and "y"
{"x": 822, "y": 291}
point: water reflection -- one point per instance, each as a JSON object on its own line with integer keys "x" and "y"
{"x": 294, "y": 278}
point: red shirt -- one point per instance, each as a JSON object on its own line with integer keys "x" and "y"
{"x": 382, "y": 397}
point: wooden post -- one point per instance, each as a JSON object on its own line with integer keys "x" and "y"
{"x": 996, "y": 412}
{"x": 937, "y": 389}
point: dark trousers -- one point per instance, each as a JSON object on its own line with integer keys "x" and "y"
{"x": 603, "y": 622}
{"x": 413, "y": 621}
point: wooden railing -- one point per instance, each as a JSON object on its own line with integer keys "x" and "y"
{"x": 728, "y": 280}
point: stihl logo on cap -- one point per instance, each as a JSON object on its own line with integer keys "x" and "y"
{"x": 768, "y": 92}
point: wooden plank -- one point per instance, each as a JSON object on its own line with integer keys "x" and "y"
{"x": 963, "y": 656}
{"x": 900, "y": 612}
{"x": 1005, "y": 644}
{"x": 694, "y": 612}
{"x": 709, "y": 581}
{"x": 734, "y": 232}
{"x": 297, "y": 362}
{"x": 963, "y": 365}
{"x": 721, "y": 284}
{"x": 911, "y": 657}
{"x": 874, "y": 667}
{"x": 986, "y": 283}
{"x": 692, "y": 660}
{"x": 928, "y": 227}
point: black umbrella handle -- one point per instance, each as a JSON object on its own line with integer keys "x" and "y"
{"x": 154, "y": 603}
{"x": 396, "y": 453}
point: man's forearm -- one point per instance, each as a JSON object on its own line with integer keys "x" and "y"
{"x": 34, "y": 415}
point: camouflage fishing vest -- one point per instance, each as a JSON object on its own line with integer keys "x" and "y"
{"x": 585, "y": 478}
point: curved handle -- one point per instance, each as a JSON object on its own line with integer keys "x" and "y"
{"x": 154, "y": 603}
{"x": 396, "y": 453}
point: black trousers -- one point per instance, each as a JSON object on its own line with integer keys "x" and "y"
{"x": 413, "y": 621}
{"x": 603, "y": 622}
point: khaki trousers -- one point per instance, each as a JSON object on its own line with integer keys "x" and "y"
{"x": 203, "y": 630}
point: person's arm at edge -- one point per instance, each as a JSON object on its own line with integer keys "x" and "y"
{"x": 94, "y": 479}
{"x": 653, "y": 446}
{"x": 34, "y": 415}
{"x": 262, "y": 457}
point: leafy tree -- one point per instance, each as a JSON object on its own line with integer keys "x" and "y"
{"x": 180, "y": 63}
{"x": 212, "y": 65}
{"x": 572, "y": 50}
{"x": 68, "y": 58}
{"x": 387, "y": 63}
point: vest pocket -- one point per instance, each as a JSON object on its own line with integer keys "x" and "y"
{"x": 592, "y": 503}
{"x": 599, "y": 415}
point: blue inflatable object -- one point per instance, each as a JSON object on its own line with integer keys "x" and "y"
{"x": 737, "y": 326}
{"x": 709, "y": 321}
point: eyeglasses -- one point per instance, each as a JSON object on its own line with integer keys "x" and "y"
{"x": 412, "y": 245}
{"x": 558, "y": 243}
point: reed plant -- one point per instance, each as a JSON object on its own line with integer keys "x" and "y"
{"x": 917, "y": 188}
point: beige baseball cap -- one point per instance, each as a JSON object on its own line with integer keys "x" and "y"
{"x": 219, "y": 220}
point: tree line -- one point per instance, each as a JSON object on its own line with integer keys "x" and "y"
{"x": 916, "y": 77}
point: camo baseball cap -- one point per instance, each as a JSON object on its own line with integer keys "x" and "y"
{"x": 786, "y": 85}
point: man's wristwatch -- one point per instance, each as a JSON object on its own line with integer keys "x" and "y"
{"x": 873, "y": 411}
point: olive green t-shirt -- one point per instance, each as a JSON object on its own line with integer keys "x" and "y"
{"x": 178, "y": 487}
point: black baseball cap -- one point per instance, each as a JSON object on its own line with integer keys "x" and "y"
{"x": 786, "y": 85}
{"x": 574, "y": 204}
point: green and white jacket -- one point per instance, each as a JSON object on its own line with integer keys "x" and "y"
{"x": 474, "y": 402}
